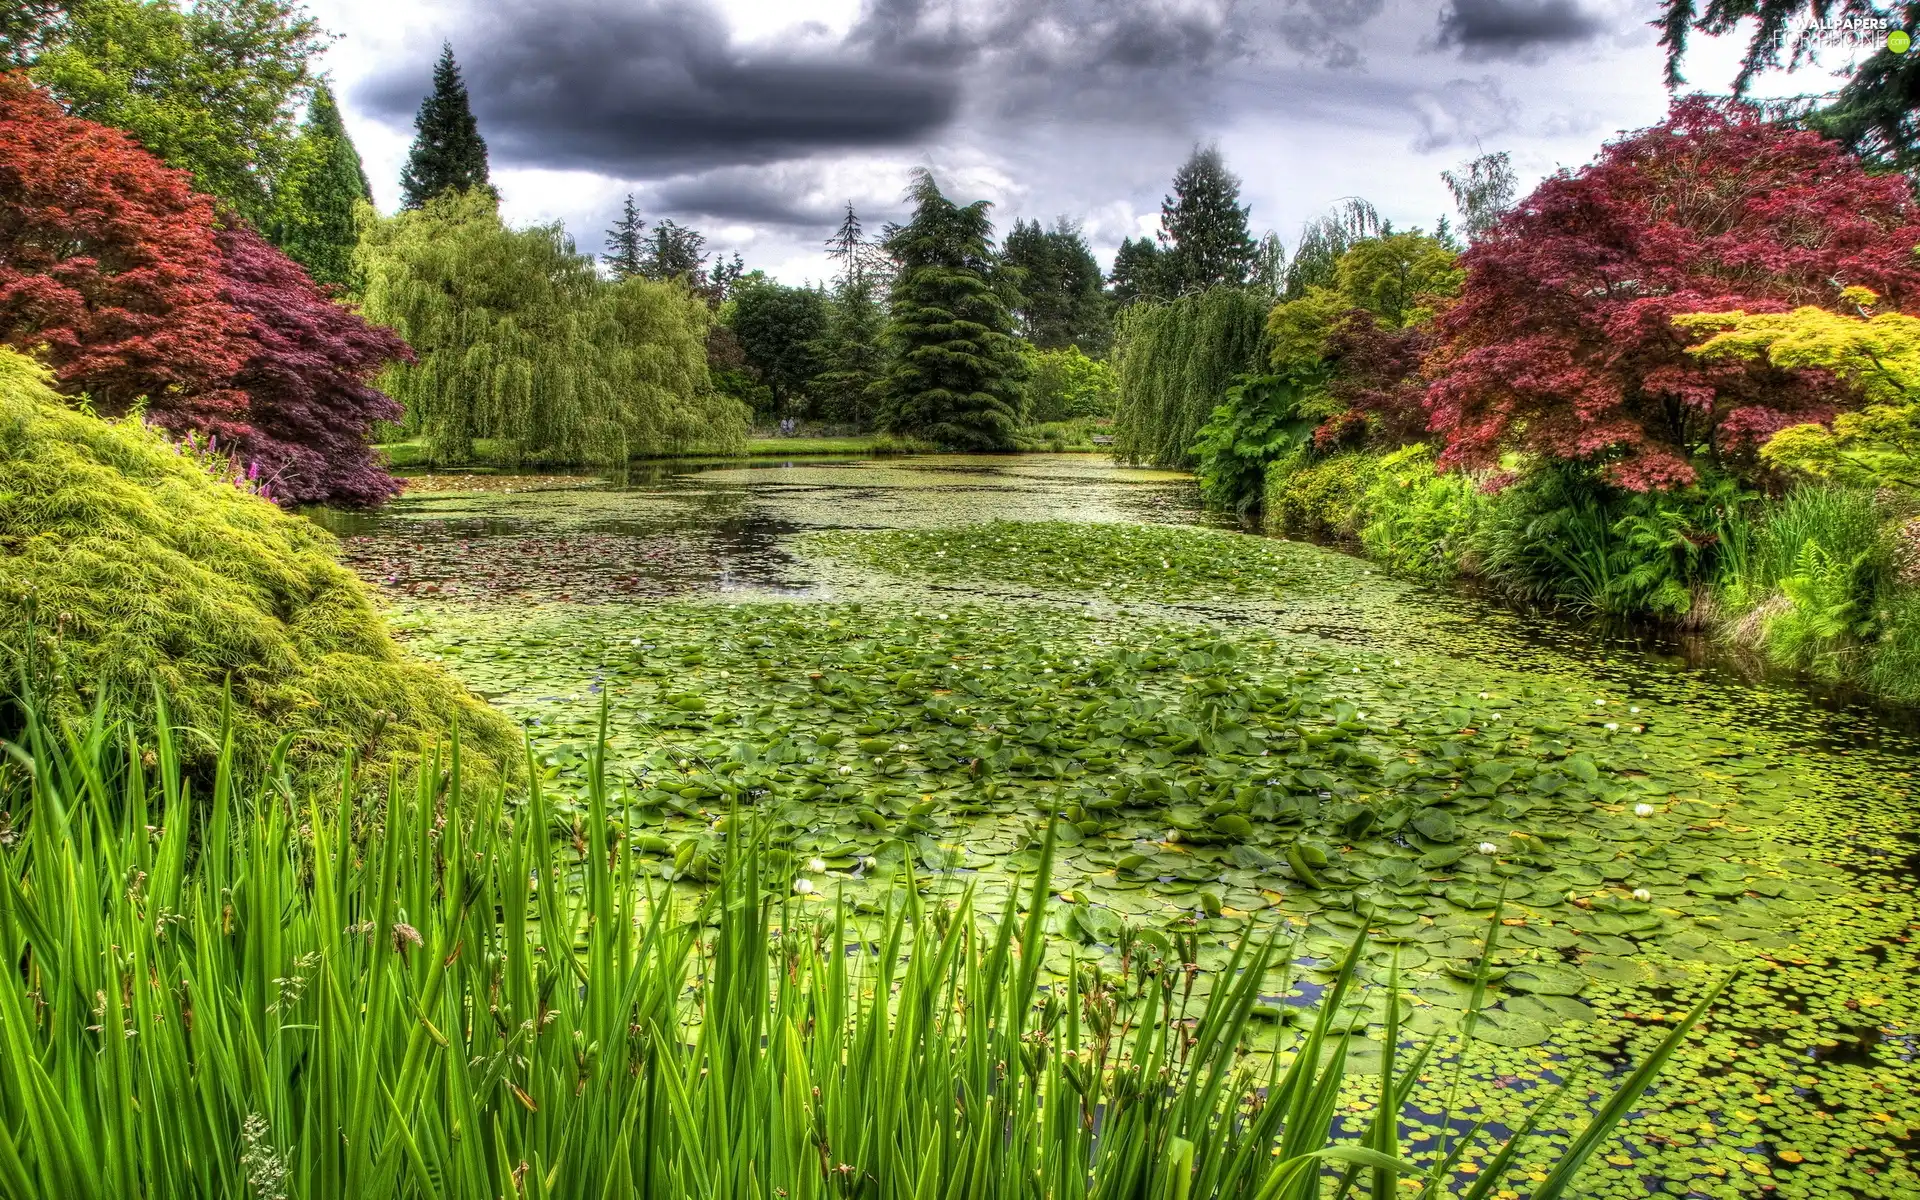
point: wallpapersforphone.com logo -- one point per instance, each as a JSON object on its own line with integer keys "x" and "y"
{"x": 1852, "y": 33}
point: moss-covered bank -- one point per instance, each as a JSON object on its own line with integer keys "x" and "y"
{"x": 124, "y": 564}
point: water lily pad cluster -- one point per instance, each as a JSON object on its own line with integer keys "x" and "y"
{"x": 1627, "y": 833}
{"x": 1116, "y": 559}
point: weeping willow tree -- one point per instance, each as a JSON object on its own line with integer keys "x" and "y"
{"x": 526, "y": 353}
{"x": 1174, "y": 363}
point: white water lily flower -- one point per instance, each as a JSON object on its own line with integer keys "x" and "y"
{"x": 803, "y": 886}
{"x": 902, "y": 747}
{"x": 1598, "y": 703}
{"x": 1633, "y": 708}
{"x": 1488, "y": 848}
{"x": 1643, "y": 810}
{"x": 1613, "y": 724}
{"x": 846, "y": 770}
{"x": 1642, "y": 894}
{"x": 635, "y": 642}
{"x": 816, "y": 865}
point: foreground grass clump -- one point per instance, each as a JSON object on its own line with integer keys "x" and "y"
{"x": 489, "y": 1000}
{"x": 1126, "y": 561}
{"x": 123, "y": 564}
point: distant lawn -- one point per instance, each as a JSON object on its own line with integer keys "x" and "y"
{"x": 780, "y": 447}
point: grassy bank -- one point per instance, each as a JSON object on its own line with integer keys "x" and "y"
{"x": 1821, "y": 580}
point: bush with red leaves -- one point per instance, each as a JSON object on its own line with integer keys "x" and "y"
{"x": 126, "y": 282}
{"x": 1562, "y": 342}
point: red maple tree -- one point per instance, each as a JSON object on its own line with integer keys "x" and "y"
{"x": 108, "y": 268}
{"x": 1562, "y": 341}
{"x": 307, "y": 372}
{"x": 138, "y": 291}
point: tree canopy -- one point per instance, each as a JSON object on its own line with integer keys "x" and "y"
{"x": 448, "y": 153}
{"x": 955, "y": 377}
{"x": 522, "y": 344}
{"x": 1060, "y": 301}
{"x": 317, "y": 199}
{"x": 779, "y": 329}
{"x": 1563, "y": 341}
{"x": 1174, "y": 361}
{"x": 212, "y": 87}
{"x": 1876, "y": 114}
{"x": 1203, "y": 227}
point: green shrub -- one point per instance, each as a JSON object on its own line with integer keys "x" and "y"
{"x": 123, "y": 564}
{"x": 1258, "y": 422}
{"x": 1319, "y": 496}
{"x": 1893, "y": 669}
{"x": 1417, "y": 522}
{"x": 1823, "y": 571}
{"x": 1563, "y": 538}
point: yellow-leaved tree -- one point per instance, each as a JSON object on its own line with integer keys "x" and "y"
{"x": 1875, "y": 445}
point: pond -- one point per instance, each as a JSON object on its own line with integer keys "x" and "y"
{"x": 913, "y": 665}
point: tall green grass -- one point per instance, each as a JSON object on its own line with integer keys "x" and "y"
{"x": 248, "y": 993}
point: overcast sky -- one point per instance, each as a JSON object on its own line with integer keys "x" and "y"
{"x": 757, "y": 120}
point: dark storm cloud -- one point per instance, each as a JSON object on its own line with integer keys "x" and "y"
{"x": 754, "y": 196}
{"x": 630, "y": 90}
{"x": 1514, "y": 29}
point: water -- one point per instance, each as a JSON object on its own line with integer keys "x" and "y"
{"x": 1805, "y": 1084}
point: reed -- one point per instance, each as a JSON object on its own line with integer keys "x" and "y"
{"x": 247, "y": 993}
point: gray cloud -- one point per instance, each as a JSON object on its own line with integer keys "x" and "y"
{"x": 1462, "y": 112}
{"x": 789, "y": 199}
{"x": 1514, "y": 29}
{"x": 655, "y": 87}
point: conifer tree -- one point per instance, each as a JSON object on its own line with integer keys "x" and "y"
{"x": 316, "y": 198}
{"x": 673, "y": 251}
{"x": 956, "y": 374}
{"x": 1203, "y": 227}
{"x": 852, "y": 355}
{"x": 448, "y": 152}
{"x": 1137, "y": 272}
{"x": 1059, "y": 302}
{"x": 626, "y": 243}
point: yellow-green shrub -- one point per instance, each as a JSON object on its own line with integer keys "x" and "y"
{"x": 123, "y": 564}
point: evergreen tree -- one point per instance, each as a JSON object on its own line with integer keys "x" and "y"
{"x": 1137, "y": 272}
{"x": 626, "y": 242}
{"x": 317, "y": 198}
{"x": 859, "y": 259}
{"x": 1203, "y": 227}
{"x": 725, "y": 277}
{"x": 852, "y": 356}
{"x": 956, "y": 373}
{"x": 1059, "y": 302}
{"x": 448, "y": 152}
{"x": 674, "y": 251}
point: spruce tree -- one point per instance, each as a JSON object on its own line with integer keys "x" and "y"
{"x": 1203, "y": 227}
{"x": 1059, "y": 302}
{"x": 852, "y": 355}
{"x": 673, "y": 251}
{"x": 626, "y": 243}
{"x": 1138, "y": 272}
{"x": 956, "y": 374}
{"x": 315, "y": 200}
{"x": 448, "y": 152}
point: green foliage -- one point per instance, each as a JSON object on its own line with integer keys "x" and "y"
{"x": 1319, "y": 495}
{"x": 1893, "y": 668}
{"x": 1137, "y": 272}
{"x": 852, "y": 353}
{"x": 1395, "y": 276}
{"x": 317, "y": 198}
{"x": 626, "y": 242}
{"x": 1563, "y": 538}
{"x": 1174, "y": 361}
{"x": 956, "y": 377}
{"x": 1483, "y": 189}
{"x": 1066, "y": 385}
{"x": 1203, "y": 228}
{"x": 1259, "y": 422}
{"x": 780, "y": 329}
{"x": 408, "y": 990}
{"x": 211, "y": 87}
{"x": 123, "y": 565}
{"x": 1821, "y": 583}
{"x": 1060, "y": 301}
{"x": 448, "y": 153}
{"x": 1420, "y": 523}
{"x": 1876, "y": 446}
{"x": 1324, "y": 240}
{"x": 521, "y": 342}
